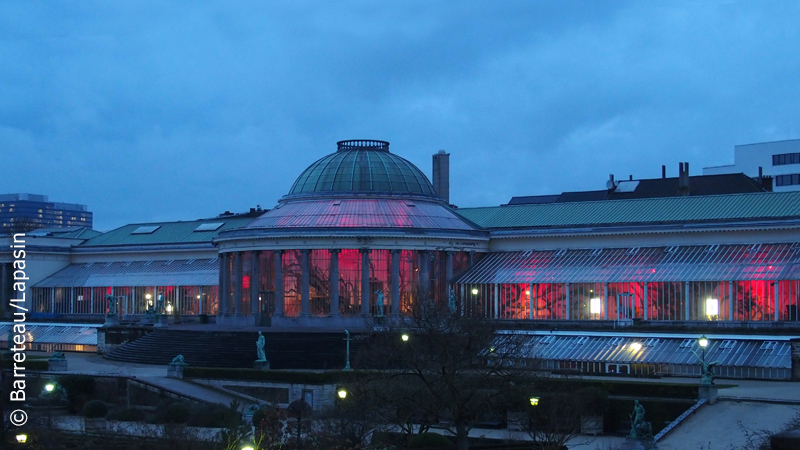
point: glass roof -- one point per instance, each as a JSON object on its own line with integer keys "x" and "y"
{"x": 362, "y": 213}
{"x": 645, "y": 264}
{"x": 657, "y": 350}
{"x": 360, "y": 167}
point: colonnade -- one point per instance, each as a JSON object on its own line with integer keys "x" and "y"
{"x": 232, "y": 275}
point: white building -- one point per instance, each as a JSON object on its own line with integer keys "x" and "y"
{"x": 779, "y": 159}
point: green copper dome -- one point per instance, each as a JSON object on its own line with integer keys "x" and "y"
{"x": 362, "y": 166}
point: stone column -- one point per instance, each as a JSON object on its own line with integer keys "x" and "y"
{"x": 365, "y": 291}
{"x": 255, "y": 284}
{"x": 305, "y": 292}
{"x": 605, "y": 301}
{"x": 224, "y": 295}
{"x": 395, "y": 282}
{"x": 335, "y": 282}
{"x": 237, "y": 283}
{"x": 279, "y": 283}
{"x": 471, "y": 259}
{"x": 423, "y": 274}
{"x": 567, "y": 302}
{"x": 645, "y": 305}
{"x": 777, "y": 292}
{"x": 448, "y": 268}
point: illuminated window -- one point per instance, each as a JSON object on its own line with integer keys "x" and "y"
{"x": 712, "y": 307}
{"x": 595, "y": 306}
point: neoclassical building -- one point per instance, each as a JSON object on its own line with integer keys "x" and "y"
{"x": 363, "y": 231}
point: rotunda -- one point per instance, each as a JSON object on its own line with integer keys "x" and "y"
{"x": 361, "y": 233}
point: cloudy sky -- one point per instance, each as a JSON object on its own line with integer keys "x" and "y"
{"x": 146, "y": 111}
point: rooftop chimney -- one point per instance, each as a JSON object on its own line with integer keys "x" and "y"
{"x": 441, "y": 175}
{"x": 683, "y": 179}
{"x": 663, "y": 171}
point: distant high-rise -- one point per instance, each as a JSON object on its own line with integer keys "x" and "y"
{"x": 25, "y": 212}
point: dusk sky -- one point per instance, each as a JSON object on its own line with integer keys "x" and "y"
{"x": 147, "y": 112}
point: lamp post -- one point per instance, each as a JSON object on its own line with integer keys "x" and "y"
{"x": 347, "y": 339}
{"x": 703, "y": 342}
{"x": 404, "y": 337}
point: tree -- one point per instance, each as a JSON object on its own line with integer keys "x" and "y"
{"x": 451, "y": 370}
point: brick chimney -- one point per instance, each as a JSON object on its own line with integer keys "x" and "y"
{"x": 441, "y": 175}
{"x": 683, "y": 179}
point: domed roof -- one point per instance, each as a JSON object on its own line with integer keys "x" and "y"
{"x": 362, "y": 166}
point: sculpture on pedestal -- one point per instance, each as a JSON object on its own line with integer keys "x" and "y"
{"x": 380, "y": 302}
{"x": 639, "y": 428}
{"x": 707, "y": 377}
{"x": 260, "y": 347}
{"x": 160, "y": 303}
{"x": 112, "y": 305}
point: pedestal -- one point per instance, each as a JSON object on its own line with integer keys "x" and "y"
{"x": 57, "y": 365}
{"x": 162, "y": 320}
{"x": 261, "y": 365}
{"x": 175, "y": 370}
{"x": 111, "y": 320}
{"x": 708, "y": 392}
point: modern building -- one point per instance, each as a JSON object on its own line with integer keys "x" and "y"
{"x": 779, "y": 160}
{"x": 26, "y": 212}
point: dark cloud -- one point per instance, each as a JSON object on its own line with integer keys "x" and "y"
{"x": 148, "y": 111}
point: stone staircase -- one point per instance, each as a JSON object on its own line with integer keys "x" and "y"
{"x": 310, "y": 351}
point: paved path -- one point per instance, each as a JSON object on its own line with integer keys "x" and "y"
{"x": 91, "y": 364}
{"x": 725, "y": 425}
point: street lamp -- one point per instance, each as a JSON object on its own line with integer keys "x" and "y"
{"x": 474, "y": 291}
{"x": 49, "y": 387}
{"x": 404, "y": 337}
{"x": 703, "y": 341}
{"x": 534, "y": 401}
{"x": 342, "y": 393}
{"x": 22, "y": 438}
{"x": 248, "y": 447}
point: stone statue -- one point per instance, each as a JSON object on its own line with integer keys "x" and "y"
{"x": 707, "y": 378}
{"x": 260, "y": 347}
{"x": 381, "y": 302}
{"x": 639, "y": 428}
{"x": 178, "y": 360}
{"x": 160, "y": 303}
{"x": 112, "y": 305}
{"x": 58, "y": 355}
{"x": 451, "y": 302}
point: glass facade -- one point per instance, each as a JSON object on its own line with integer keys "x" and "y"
{"x": 131, "y": 300}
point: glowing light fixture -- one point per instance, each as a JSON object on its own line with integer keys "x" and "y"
{"x": 49, "y": 387}
{"x": 404, "y": 337}
{"x": 703, "y": 341}
{"x": 169, "y": 308}
{"x": 474, "y": 291}
{"x": 595, "y": 306}
{"x": 534, "y": 401}
{"x": 342, "y": 393}
{"x": 636, "y": 346}
{"x": 712, "y": 307}
{"x": 148, "y": 296}
{"x": 248, "y": 447}
{"x": 198, "y": 296}
{"x": 22, "y": 438}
